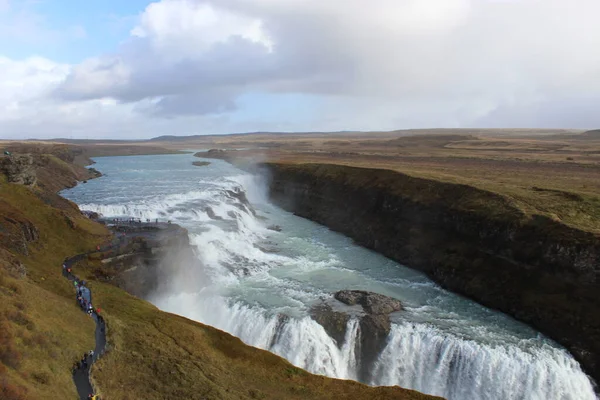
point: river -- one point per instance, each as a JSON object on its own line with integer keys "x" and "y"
{"x": 442, "y": 344}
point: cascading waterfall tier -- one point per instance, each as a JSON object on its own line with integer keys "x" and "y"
{"x": 261, "y": 284}
{"x": 422, "y": 357}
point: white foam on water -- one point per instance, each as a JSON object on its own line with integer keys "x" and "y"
{"x": 302, "y": 341}
{"x": 421, "y": 357}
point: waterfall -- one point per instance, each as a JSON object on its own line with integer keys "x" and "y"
{"x": 261, "y": 284}
{"x": 421, "y": 357}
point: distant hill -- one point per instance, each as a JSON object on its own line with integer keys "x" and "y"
{"x": 85, "y": 141}
{"x": 595, "y": 133}
{"x": 173, "y": 138}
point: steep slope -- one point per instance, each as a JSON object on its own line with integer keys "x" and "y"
{"x": 41, "y": 332}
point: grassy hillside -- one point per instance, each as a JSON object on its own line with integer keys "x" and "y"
{"x": 42, "y": 332}
{"x": 151, "y": 354}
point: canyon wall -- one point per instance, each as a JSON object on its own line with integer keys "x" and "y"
{"x": 470, "y": 241}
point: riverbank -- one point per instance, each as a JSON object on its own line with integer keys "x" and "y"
{"x": 471, "y": 241}
{"x": 151, "y": 354}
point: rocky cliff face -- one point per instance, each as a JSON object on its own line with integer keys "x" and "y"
{"x": 47, "y": 172}
{"x": 535, "y": 269}
{"x": 145, "y": 258}
{"x": 17, "y": 233}
{"x": 19, "y": 169}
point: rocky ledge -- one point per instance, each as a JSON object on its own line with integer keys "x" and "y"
{"x": 144, "y": 257}
{"x": 374, "y": 323}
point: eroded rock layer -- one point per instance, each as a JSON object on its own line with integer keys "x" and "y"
{"x": 470, "y": 241}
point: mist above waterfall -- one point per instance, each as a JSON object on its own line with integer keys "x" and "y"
{"x": 259, "y": 285}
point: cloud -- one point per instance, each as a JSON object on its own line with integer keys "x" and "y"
{"x": 27, "y": 108}
{"x": 372, "y": 65}
{"x": 472, "y": 52}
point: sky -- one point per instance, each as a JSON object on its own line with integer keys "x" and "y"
{"x": 138, "y": 69}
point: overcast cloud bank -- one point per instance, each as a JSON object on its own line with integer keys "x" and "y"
{"x": 188, "y": 65}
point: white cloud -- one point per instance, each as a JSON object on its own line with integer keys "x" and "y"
{"x": 373, "y": 63}
{"x": 169, "y": 26}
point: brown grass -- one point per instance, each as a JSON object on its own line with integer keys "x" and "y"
{"x": 42, "y": 330}
{"x": 555, "y": 176}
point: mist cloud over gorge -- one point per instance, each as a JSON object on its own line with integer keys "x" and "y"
{"x": 356, "y": 64}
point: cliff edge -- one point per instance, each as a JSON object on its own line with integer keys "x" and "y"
{"x": 471, "y": 241}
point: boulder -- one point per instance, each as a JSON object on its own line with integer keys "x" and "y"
{"x": 94, "y": 173}
{"x": 372, "y": 303}
{"x": 91, "y": 214}
{"x": 211, "y": 214}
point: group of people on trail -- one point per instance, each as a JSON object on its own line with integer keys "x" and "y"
{"x": 84, "y": 297}
{"x": 134, "y": 221}
{"x": 84, "y": 300}
{"x": 83, "y": 363}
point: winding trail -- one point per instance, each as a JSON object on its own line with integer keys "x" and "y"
{"x": 125, "y": 231}
{"x": 81, "y": 376}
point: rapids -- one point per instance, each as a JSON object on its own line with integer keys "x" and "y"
{"x": 259, "y": 284}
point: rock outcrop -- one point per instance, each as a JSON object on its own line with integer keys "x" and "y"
{"x": 472, "y": 242}
{"x": 372, "y": 303}
{"x": 143, "y": 258}
{"x": 374, "y": 324}
{"x": 334, "y": 322}
{"x": 211, "y": 214}
{"x": 19, "y": 169}
{"x": 275, "y": 228}
{"x": 242, "y": 201}
{"x": 48, "y": 168}
{"x": 91, "y": 215}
